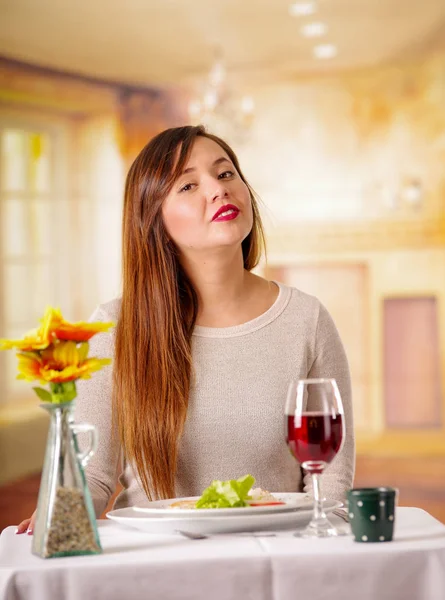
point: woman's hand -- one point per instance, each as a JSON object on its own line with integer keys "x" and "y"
{"x": 27, "y": 526}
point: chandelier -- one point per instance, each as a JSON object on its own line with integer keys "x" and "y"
{"x": 223, "y": 111}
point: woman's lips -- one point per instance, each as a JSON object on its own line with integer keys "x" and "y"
{"x": 226, "y": 213}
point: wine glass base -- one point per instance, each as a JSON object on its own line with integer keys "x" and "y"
{"x": 320, "y": 528}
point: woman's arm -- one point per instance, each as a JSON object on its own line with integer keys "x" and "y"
{"x": 331, "y": 362}
{"x": 93, "y": 405}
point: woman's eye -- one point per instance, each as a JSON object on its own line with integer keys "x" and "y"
{"x": 226, "y": 175}
{"x": 185, "y": 188}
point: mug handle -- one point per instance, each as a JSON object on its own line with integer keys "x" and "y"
{"x": 84, "y": 457}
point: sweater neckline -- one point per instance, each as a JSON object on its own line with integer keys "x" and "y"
{"x": 284, "y": 293}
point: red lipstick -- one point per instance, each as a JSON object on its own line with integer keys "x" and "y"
{"x": 231, "y": 210}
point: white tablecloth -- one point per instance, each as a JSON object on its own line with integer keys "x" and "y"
{"x": 136, "y": 565}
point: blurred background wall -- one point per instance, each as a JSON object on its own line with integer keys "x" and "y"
{"x": 337, "y": 111}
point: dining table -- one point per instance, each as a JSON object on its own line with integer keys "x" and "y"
{"x": 273, "y": 565}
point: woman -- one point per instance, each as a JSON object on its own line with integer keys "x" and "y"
{"x": 204, "y": 350}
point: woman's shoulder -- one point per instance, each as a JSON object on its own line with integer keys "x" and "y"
{"x": 309, "y": 314}
{"x": 300, "y": 301}
{"x": 308, "y": 308}
{"x": 108, "y": 311}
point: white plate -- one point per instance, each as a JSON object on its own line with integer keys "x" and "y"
{"x": 161, "y": 508}
{"x": 290, "y": 519}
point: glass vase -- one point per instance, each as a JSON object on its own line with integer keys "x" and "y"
{"x": 65, "y": 522}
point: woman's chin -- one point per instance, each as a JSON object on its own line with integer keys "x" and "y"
{"x": 227, "y": 243}
{"x": 230, "y": 237}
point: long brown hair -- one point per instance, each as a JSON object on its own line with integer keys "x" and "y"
{"x": 153, "y": 360}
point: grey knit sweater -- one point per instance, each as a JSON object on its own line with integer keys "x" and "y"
{"x": 235, "y": 421}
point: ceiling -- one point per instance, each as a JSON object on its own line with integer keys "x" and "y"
{"x": 167, "y": 42}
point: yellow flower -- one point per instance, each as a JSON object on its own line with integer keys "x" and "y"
{"x": 53, "y": 326}
{"x": 37, "y": 339}
{"x": 29, "y": 365}
{"x": 59, "y": 363}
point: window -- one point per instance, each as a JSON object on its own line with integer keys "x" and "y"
{"x": 32, "y": 222}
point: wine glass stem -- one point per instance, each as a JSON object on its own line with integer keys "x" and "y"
{"x": 318, "y": 502}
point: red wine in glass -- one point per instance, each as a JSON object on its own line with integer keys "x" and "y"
{"x": 315, "y": 427}
{"x": 316, "y": 440}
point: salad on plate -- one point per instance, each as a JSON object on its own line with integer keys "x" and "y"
{"x": 234, "y": 493}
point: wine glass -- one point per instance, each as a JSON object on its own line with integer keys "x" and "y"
{"x": 314, "y": 433}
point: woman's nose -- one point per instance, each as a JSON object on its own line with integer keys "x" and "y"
{"x": 216, "y": 191}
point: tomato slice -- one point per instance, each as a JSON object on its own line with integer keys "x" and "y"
{"x": 265, "y": 503}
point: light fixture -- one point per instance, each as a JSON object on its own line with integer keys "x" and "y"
{"x": 314, "y": 29}
{"x": 219, "y": 108}
{"x": 325, "y": 51}
{"x": 302, "y": 9}
{"x": 412, "y": 192}
{"x": 406, "y": 194}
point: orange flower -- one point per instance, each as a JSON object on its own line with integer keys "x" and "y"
{"x": 80, "y": 331}
{"x": 59, "y": 363}
{"x": 53, "y": 326}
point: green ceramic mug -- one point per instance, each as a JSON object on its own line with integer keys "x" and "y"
{"x": 372, "y": 513}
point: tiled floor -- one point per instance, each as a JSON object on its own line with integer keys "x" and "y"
{"x": 421, "y": 483}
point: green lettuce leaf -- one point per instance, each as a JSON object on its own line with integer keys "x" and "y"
{"x": 226, "y": 494}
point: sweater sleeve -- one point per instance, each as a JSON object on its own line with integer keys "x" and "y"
{"x": 93, "y": 405}
{"x": 331, "y": 362}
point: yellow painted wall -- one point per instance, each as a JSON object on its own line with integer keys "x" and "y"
{"x": 339, "y": 148}
{"x": 332, "y": 158}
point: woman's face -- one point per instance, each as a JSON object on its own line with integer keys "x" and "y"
{"x": 209, "y": 206}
